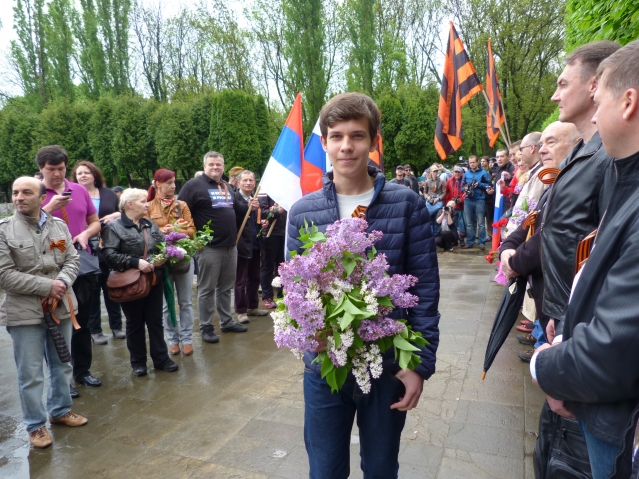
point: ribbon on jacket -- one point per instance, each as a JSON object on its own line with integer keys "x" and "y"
{"x": 54, "y": 305}
{"x": 530, "y": 222}
{"x": 548, "y": 175}
{"x": 584, "y": 249}
{"x": 60, "y": 244}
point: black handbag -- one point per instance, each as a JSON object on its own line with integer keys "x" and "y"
{"x": 560, "y": 451}
{"x": 89, "y": 264}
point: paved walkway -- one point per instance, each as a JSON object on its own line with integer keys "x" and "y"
{"x": 235, "y": 409}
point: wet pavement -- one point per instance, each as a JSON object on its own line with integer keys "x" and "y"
{"x": 235, "y": 409}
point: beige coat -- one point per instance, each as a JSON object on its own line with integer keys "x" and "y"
{"x": 28, "y": 267}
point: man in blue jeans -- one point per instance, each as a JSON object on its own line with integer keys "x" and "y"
{"x": 349, "y": 124}
{"x": 475, "y": 182}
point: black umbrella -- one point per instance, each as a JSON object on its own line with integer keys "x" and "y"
{"x": 60, "y": 344}
{"x": 505, "y": 319}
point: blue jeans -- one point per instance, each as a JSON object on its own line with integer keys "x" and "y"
{"x": 474, "y": 212}
{"x": 461, "y": 222}
{"x": 328, "y": 420}
{"x": 538, "y": 333}
{"x": 31, "y": 346}
{"x": 602, "y": 454}
{"x": 183, "y": 284}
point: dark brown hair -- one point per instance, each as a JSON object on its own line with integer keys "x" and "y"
{"x": 350, "y": 106}
{"x": 98, "y": 179}
{"x": 590, "y": 56}
{"x": 53, "y": 155}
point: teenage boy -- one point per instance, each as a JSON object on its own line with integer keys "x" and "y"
{"x": 348, "y": 123}
{"x": 591, "y": 370}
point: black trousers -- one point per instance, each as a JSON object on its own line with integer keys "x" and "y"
{"x": 247, "y": 282}
{"x": 85, "y": 288}
{"x": 146, "y": 311}
{"x": 446, "y": 240}
{"x": 113, "y": 309}
{"x": 272, "y": 253}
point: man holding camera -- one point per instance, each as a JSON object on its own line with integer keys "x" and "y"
{"x": 475, "y": 181}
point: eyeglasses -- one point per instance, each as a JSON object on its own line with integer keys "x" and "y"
{"x": 521, "y": 148}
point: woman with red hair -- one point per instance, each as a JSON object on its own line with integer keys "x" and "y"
{"x": 172, "y": 215}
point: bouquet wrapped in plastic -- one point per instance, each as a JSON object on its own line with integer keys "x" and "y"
{"x": 339, "y": 290}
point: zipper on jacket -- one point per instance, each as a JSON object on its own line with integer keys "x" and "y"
{"x": 624, "y": 442}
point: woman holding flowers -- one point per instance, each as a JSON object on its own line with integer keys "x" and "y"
{"x": 123, "y": 248}
{"x": 173, "y": 216}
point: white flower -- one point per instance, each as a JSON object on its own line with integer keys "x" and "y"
{"x": 277, "y": 282}
{"x": 360, "y": 371}
{"x": 297, "y": 353}
{"x": 181, "y": 250}
{"x": 371, "y": 302}
{"x": 280, "y": 320}
{"x": 347, "y": 338}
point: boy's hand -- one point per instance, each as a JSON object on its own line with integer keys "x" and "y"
{"x": 414, "y": 384}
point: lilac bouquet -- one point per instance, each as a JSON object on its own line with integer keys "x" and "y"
{"x": 178, "y": 247}
{"x": 520, "y": 212}
{"x": 339, "y": 290}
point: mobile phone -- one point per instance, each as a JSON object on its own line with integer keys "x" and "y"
{"x": 67, "y": 193}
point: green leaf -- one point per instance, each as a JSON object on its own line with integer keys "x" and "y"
{"x": 338, "y": 339}
{"x": 327, "y": 366}
{"x": 297, "y": 279}
{"x": 358, "y": 343}
{"x": 404, "y": 358}
{"x": 293, "y": 253}
{"x": 404, "y": 333}
{"x": 332, "y": 380}
{"x": 340, "y": 376}
{"x": 349, "y": 266}
{"x": 385, "y": 301}
{"x": 346, "y": 320}
{"x": 401, "y": 343}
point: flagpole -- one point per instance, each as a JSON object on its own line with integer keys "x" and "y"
{"x": 505, "y": 120}
{"x": 246, "y": 217}
{"x": 506, "y": 138}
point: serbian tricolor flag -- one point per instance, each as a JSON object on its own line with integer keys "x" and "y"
{"x": 316, "y": 159}
{"x": 459, "y": 84}
{"x": 282, "y": 177}
{"x": 494, "y": 109}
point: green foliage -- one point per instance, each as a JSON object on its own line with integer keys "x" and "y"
{"x": 66, "y": 124}
{"x": 551, "y": 119}
{"x": 17, "y": 142}
{"x": 590, "y": 20}
{"x": 100, "y": 137}
{"x": 175, "y": 139}
{"x": 234, "y": 130}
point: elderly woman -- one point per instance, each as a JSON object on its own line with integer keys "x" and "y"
{"x": 172, "y": 215}
{"x": 123, "y": 245}
{"x": 106, "y": 202}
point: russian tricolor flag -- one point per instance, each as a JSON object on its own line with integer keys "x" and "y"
{"x": 317, "y": 159}
{"x": 281, "y": 178}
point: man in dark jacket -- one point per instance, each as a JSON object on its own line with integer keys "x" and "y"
{"x": 349, "y": 125}
{"x": 412, "y": 179}
{"x": 271, "y": 246}
{"x": 579, "y": 197}
{"x": 593, "y": 370}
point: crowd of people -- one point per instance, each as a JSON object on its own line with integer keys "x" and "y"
{"x": 571, "y": 198}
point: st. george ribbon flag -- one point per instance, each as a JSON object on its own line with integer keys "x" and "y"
{"x": 281, "y": 178}
{"x": 459, "y": 84}
{"x": 315, "y": 155}
{"x": 494, "y": 111}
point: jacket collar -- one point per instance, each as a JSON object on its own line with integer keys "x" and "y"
{"x": 580, "y": 150}
{"x": 30, "y": 221}
{"x": 627, "y": 168}
{"x": 128, "y": 222}
{"x": 329, "y": 187}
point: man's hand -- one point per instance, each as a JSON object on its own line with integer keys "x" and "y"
{"x": 58, "y": 288}
{"x": 57, "y": 202}
{"x": 255, "y": 204}
{"x": 505, "y": 265}
{"x": 145, "y": 266}
{"x": 82, "y": 239}
{"x": 490, "y": 190}
{"x": 550, "y": 331}
{"x": 264, "y": 224}
{"x": 414, "y": 385}
{"x": 321, "y": 343}
{"x": 558, "y": 407}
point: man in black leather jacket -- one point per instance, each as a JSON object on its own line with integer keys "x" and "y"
{"x": 594, "y": 366}
{"x": 579, "y": 197}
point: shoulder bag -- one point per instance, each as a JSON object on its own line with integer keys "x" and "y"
{"x": 131, "y": 284}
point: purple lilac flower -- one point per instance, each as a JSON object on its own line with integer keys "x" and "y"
{"x": 173, "y": 237}
{"x": 373, "y": 329}
{"x": 173, "y": 252}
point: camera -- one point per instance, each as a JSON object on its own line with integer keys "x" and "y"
{"x": 446, "y": 209}
{"x": 458, "y": 200}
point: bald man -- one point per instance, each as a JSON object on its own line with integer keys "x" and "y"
{"x": 38, "y": 264}
{"x": 557, "y": 141}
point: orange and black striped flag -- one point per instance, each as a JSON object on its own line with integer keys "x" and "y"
{"x": 459, "y": 84}
{"x": 377, "y": 156}
{"x": 494, "y": 110}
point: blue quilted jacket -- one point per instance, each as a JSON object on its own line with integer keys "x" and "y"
{"x": 409, "y": 246}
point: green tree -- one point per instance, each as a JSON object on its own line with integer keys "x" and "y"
{"x": 175, "y": 139}
{"x": 60, "y": 47}
{"x": 17, "y": 141}
{"x": 590, "y": 20}
{"x": 90, "y": 55}
{"x": 66, "y": 124}
{"x": 263, "y": 129}
{"x": 234, "y": 129}
{"x": 100, "y": 137}
{"x": 113, "y": 21}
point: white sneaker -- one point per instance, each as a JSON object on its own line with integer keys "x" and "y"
{"x": 242, "y": 318}
{"x": 256, "y": 312}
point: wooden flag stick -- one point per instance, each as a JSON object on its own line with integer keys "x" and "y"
{"x": 506, "y": 139}
{"x": 246, "y": 217}
{"x": 270, "y": 230}
{"x": 505, "y": 120}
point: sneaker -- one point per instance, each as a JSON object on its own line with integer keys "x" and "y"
{"x": 528, "y": 339}
{"x": 256, "y": 312}
{"x": 269, "y": 303}
{"x": 174, "y": 349}
{"x": 169, "y": 367}
{"x": 526, "y": 356}
{"x": 242, "y": 318}
{"x": 40, "y": 438}
{"x": 187, "y": 349}
{"x": 70, "y": 419}
{"x": 208, "y": 335}
{"x": 525, "y": 328}
{"x": 99, "y": 338}
{"x": 234, "y": 328}
{"x": 119, "y": 334}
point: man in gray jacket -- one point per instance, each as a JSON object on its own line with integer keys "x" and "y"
{"x": 38, "y": 264}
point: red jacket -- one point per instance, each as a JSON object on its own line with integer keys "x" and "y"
{"x": 454, "y": 190}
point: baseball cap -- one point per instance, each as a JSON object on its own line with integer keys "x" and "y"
{"x": 399, "y": 167}
{"x": 458, "y": 168}
{"x": 118, "y": 189}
